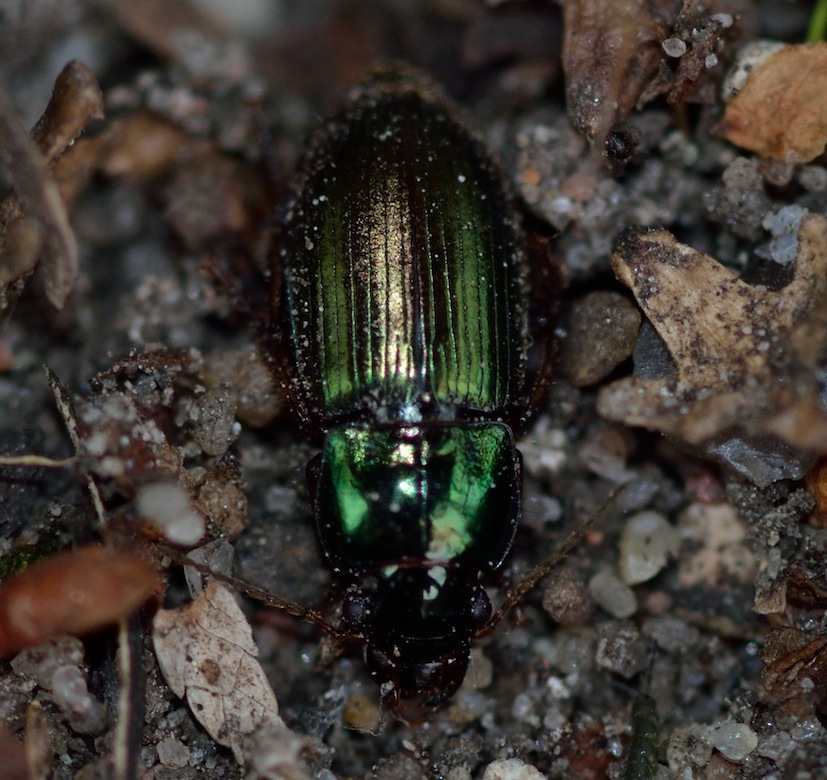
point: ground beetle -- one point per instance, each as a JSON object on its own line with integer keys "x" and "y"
{"x": 403, "y": 294}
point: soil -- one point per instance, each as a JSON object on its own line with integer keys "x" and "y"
{"x": 175, "y": 200}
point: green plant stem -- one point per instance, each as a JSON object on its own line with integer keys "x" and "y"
{"x": 818, "y": 22}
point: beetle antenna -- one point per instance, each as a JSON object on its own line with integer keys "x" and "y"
{"x": 259, "y": 594}
{"x": 544, "y": 568}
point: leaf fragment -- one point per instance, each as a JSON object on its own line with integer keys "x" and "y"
{"x": 781, "y": 112}
{"x": 207, "y": 655}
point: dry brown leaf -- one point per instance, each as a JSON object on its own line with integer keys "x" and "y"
{"x": 33, "y": 220}
{"x": 816, "y": 480}
{"x": 72, "y": 593}
{"x": 781, "y": 111}
{"x": 742, "y": 363}
{"x": 207, "y": 654}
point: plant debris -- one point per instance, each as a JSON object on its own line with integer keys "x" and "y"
{"x": 746, "y": 357}
{"x": 74, "y": 592}
{"x": 610, "y": 52}
{"x": 207, "y": 654}
{"x": 33, "y": 220}
{"x": 780, "y": 111}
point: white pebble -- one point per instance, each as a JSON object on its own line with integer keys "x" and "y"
{"x": 167, "y": 506}
{"x": 734, "y": 741}
{"x": 725, "y": 20}
{"x": 86, "y": 714}
{"x": 645, "y": 545}
{"x": 480, "y": 672}
{"x": 784, "y": 225}
{"x": 674, "y": 47}
{"x": 512, "y": 769}
{"x": 612, "y": 594}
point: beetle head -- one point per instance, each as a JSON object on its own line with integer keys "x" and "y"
{"x": 419, "y": 636}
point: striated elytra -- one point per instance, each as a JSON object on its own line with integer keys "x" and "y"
{"x": 404, "y": 297}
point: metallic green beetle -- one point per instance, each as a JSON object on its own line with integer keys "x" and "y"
{"x": 405, "y": 299}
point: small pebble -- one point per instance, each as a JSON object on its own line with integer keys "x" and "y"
{"x": 621, "y": 649}
{"x": 86, "y": 715}
{"x": 763, "y": 460}
{"x": 777, "y": 747}
{"x": 40, "y": 663}
{"x": 657, "y": 602}
{"x": 674, "y": 47}
{"x": 605, "y": 452}
{"x": 688, "y": 750}
{"x": 173, "y": 753}
{"x": 579, "y": 187}
{"x": 735, "y": 741}
{"x": 214, "y": 418}
{"x": 603, "y": 329}
{"x": 565, "y": 598}
{"x": 742, "y": 174}
{"x": 651, "y": 356}
{"x": 612, "y": 594}
{"x": 784, "y": 225}
{"x": 275, "y": 751}
{"x": 813, "y": 178}
{"x": 167, "y": 506}
{"x": 361, "y": 714}
{"x": 511, "y": 769}
{"x": 645, "y": 545}
{"x": 259, "y": 400}
{"x": 725, "y": 20}
{"x": 480, "y": 672}
{"x": 721, "y": 537}
{"x": 671, "y": 633}
{"x": 573, "y": 651}
{"x": 400, "y": 766}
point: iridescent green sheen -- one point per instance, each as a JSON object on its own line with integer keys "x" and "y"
{"x": 437, "y": 495}
{"x": 404, "y": 277}
{"x": 404, "y": 293}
